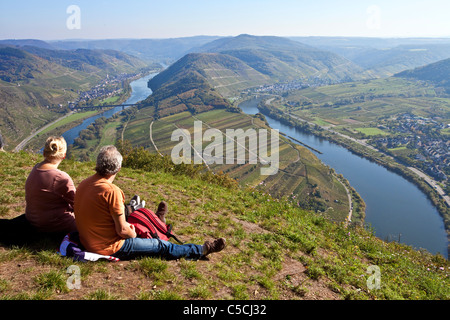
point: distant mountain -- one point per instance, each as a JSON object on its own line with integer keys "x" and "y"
{"x": 366, "y": 42}
{"x": 26, "y": 42}
{"x": 384, "y": 57}
{"x": 283, "y": 59}
{"x": 160, "y": 50}
{"x": 438, "y": 73}
{"x": 391, "y": 61}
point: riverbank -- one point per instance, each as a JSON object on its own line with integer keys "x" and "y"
{"x": 362, "y": 151}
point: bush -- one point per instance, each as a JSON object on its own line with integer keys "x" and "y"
{"x": 140, "y": 158}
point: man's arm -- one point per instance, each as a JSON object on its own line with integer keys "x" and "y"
{"x": 116, "y": 201}
{"x": 123, "y": 228}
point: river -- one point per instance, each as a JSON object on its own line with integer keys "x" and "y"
{"x": 139, "y": 91}
{"x": 396, "y": 208}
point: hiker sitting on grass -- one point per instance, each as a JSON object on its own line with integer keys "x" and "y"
{"x": 101, "y": 222}
{"x": 50, "y": 192}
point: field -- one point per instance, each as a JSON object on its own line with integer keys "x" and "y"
{"x": 371, "y": 131}
{"x": 362, "y": 104}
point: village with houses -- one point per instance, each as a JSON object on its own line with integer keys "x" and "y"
{"x": 427, "y": 140}
{"x": 110, "y": 86}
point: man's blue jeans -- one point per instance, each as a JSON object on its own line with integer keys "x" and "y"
{"x": 139, "y": 247}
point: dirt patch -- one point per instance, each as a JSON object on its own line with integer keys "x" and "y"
{"x": 249, "y": 227}
{"x": 352, "y": 121}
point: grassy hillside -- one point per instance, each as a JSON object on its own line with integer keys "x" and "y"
{"x": 274, "y": 251}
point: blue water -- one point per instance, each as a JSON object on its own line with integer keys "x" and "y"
{"x": 139, "y": 91}
{"x": 396, "y": 208}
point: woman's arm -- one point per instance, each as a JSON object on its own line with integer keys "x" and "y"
{"x": 65, "y": 187}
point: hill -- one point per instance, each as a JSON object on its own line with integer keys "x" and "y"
{"x": 150, "y": 50}
{"x": 37, "y": 83}
{"x": 438, "y": 73}
{"x": 223, "y": 72}
{"x": 26, "y": 42}
{"x": 283, "y": 59}
{"x": 382, "y": 57}
{"x": 183, "y": 86}
{"x": 89, "y": 60}
{"x": 391, "y": 61}
{"x": 274, "y": 251}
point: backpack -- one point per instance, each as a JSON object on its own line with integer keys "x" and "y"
{"x": 148, "y": 225}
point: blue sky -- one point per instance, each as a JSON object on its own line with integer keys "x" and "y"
{"x": 98, "y": 19}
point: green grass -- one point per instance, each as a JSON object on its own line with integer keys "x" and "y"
{"x": 371, "y": 131}
{"x": 398, "y": 149}
{"x": 274, "y": 249}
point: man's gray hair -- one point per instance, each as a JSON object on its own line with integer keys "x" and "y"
{"x": 109, "y": 161}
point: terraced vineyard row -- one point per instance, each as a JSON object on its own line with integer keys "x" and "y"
{"x": 301, "y": 176}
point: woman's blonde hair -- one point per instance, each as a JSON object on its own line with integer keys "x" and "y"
{"x": 55, "y": 148}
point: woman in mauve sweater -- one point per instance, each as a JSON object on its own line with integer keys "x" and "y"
{"x": 50, "y": 192}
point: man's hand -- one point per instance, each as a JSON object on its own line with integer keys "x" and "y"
{"x": 133, "y": 230}
{"x": 123, "y": 228}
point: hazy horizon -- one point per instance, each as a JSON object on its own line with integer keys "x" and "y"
{"x": 88, "y": 20}
{"x": 225, "y": 36}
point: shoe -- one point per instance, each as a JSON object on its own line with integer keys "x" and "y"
{"x": 136, "y": 200}
{"x": 213, "y": 246}
{"x": 162, "y": 210}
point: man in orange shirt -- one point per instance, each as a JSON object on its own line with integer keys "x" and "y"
{"x": 100, "y": 218}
